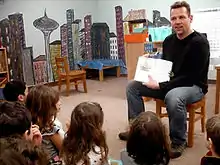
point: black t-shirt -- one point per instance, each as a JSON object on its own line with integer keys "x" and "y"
{"x": 190, "y": 57}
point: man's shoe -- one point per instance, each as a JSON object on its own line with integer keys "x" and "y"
{"x": 177, "y": 150}
{"x": 123, "y": 136}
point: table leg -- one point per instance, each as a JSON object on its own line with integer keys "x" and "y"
{"x": 217, "y": 92}
{"x": 101, "y": 78}
{"x": 118, "y": 71}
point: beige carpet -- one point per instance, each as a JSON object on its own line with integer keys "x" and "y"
{"x": 111, "y": 95}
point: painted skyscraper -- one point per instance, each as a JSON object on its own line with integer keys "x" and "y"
{"x": 17, "y": 43}
{"x": 70, "y": 20}
{"x": 113, "y": 46}
{"x": 120, "y": 32}
{"x": 88, "y": 25}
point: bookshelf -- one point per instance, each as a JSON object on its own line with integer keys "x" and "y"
{"x": 4, "y": 73}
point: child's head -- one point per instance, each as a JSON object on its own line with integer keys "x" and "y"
{"x": 213, "y": 134}
{"x": 148, "y": 142}
{"x": 15, "y": 119}
{"x": 15, "y": 91}
{"x": 15, "y": 151}
{"x": 42, "y": 101}
{"x": 85, "y": 133}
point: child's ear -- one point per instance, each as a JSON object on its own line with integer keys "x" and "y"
{"x": 21, "y": 98}
{"x": 210, "y": 144}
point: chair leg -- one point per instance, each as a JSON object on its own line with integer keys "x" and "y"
{"x": 67, "y": 86}
{"x": 158, "y": 109}
{"x": 59, "y": 84}
{"x": 84, "y": 85}
{"x": 191, "y": 127}
{"x": 76, "y": 85}
{"x": 203, "y": 116}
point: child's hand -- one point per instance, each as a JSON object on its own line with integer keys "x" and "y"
{"x": 67, "y": 125}
{"x": 37, "y": 137}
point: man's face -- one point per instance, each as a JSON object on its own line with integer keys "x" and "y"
{"x": 180, "y": 20}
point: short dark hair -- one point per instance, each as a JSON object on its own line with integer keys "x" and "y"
{"x": 15, "y": 119}
{"x": 13, "y": 89}
{"x": 148, "y": 142}
{"x": 179, "y": 4}
{"x": 213, "y": 132}
{"x": 17, "y": 151}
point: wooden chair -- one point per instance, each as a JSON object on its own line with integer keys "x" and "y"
{"x": 192, "y": 110}
{"x": 63, "y": 72}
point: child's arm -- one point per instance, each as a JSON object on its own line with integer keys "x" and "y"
{"x": 57, "y": 140}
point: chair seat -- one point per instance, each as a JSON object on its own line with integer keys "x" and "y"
{"x": 74, "y": 73}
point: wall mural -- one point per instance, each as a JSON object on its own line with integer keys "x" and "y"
{"x": 47, "y": 26}
{"x": 93, "y": 45}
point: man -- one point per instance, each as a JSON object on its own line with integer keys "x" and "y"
{"x": 189, "y": 52}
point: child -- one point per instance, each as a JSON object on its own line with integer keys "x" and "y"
{"x": 85, "y": 142}
{"x": 18, "y": 91}
{"x": 213, "y": 139}
{"x": 15, "y": 120}
{"x": 15, "y": 91}
{"x": 14, "y": 151}
{"x": 42, "y": 101}
{"x": 147, "y": 142}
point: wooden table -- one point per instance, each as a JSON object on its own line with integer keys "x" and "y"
{"x": 217, "y": 97}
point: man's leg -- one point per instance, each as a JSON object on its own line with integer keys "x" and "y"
{"x": 176, "y": 101}
{"x": 134, "y": 92}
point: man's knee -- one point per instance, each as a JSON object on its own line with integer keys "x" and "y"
{"x": 132, "y": 86}
{"x": 174, "y": 101}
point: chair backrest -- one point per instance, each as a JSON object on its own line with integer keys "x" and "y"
{"x": 62, "y": 65}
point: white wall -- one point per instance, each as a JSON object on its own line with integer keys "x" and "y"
{"x": 56, "y": 9}
{"x": 107, "y": 8}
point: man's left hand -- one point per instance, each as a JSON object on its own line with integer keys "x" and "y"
{"x": 153, "y": 84}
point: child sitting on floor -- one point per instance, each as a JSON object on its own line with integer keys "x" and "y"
{"x": 147, "y": 143}
{"x": 43, "y": 103}
{"x": 85, "y": 141}
{"x": 213, "y": 141}
{"x": 15, "y": 151}
{"x": 15, "y": 121}
{"x": 17, "y": 91}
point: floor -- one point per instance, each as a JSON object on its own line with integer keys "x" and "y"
{"x": 111, "y": 95}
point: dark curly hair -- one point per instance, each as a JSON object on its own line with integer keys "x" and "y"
{"x": 15, "y": 119}
{"x": 84, "y": 134}
{"x": 148, "y": 142}
{"x": 41, "y": 101}
{"x": 17, "y": 151}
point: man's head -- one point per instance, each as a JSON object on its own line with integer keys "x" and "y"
{"x": 15, "y": 91}
{"x": 181, "y": 18}
{"x": 15, "y": 119}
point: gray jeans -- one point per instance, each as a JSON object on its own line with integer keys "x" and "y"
{"x": 175, "y": 100}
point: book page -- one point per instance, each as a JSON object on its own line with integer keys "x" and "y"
{"x": 158, "y": 69}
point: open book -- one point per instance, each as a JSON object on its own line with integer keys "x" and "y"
{"x": 158, "y": 69}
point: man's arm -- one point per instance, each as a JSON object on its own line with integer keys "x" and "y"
{"x": 200, "y": 59}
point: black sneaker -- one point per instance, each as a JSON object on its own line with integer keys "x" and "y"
{"x": 123, "y": 136}
{"x": 177, "y": 150}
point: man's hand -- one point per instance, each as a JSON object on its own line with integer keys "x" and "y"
{"x": 152, "y": 83}
{"x": 37, "y": 137}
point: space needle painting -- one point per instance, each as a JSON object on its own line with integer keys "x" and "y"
{"x": 47, "y": 26}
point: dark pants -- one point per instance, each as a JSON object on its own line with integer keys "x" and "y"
{"x": 175, "y": 100}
